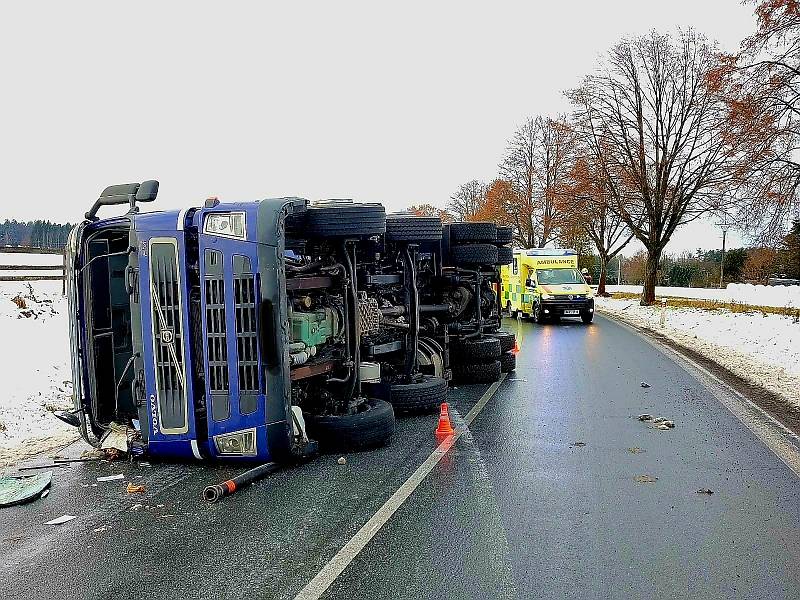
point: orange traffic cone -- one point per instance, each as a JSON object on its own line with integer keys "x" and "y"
{"x": 445, "y": 428}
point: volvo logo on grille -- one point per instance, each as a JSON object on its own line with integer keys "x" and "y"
{"x": 570, "y": 297}
{"x": 167, "y": 336}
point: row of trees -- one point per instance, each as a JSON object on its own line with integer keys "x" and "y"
{"x": 38, "y": 234}
{"x": 666, "y": 130}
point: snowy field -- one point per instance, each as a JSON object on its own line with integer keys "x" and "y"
{"x": 740, "y": 293}
{"x": 761, "y": 348}
{"x": 34, "y": 368}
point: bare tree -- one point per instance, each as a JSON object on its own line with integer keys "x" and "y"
{"x": 649, "y": 111}
{"x": 592, "y": 212}
{"x": 537, "y": 165}
{"x": 468, "y": 200}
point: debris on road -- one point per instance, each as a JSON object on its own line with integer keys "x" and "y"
{"x": 116, "y": 438}
{"x": 661, "y": 423}
{"x": 135, "y": 489}
{"x": 705, "y": 491}
{"x": 342, "y": 460}
{"x": 665, "y": 425}
{"x": 645, "y": 479}
{"x": 18, "y": 489}
{"x": 636, "y": 450}
{"x": 645, "y": 417}
{"x": 644, "y": 384}
{"x": 111, "y": 477}
{"x": 577, "y": 444}
{"x": 60, "y": 520}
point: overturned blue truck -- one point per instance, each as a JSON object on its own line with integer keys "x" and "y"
{"x": 265, "y": 330}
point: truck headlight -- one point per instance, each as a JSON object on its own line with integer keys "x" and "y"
{"x": 236, "y": 444}
{"x": 546, "y": 296}
{"x": 226, "y": 225}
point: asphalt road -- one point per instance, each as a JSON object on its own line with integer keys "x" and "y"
{"x": 516, "y": 509}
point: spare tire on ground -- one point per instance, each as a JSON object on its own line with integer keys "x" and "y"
{"x": 343, "y": 219}
{"x": 505, "y": 235}
{"x": 475, "y": 254}
{"x": 507, "y": 340}
{"x": 482, "y": 373}
{"x": 427, "y": 393}
{"x": 413, "y": 228}
{"x": 508, "y": 362}
{"x": 470, "y": 233}
{"x": 475, "y": 350}
{"x": 371, "y": 427}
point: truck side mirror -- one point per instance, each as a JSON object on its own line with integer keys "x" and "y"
{"x": 125, "y": 193}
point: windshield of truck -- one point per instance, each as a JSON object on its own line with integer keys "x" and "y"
{"x": 559, "y": 276}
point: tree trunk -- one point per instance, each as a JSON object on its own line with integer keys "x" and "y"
{"x": 601, "y": 282}
{"x": 650, "y": 276}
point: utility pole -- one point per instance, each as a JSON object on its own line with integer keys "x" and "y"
{"x": 724, "y": 226}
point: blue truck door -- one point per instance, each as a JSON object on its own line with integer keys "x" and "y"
{"x": 235, "y": 395}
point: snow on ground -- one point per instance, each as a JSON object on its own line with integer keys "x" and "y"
{"x": 761, "y": 348}
{"x": 34, "y": 369}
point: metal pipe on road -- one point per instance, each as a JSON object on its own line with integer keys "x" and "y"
{"x": 214, "y": 493}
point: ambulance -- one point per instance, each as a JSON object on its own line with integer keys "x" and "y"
{"x": 545, "y": 283}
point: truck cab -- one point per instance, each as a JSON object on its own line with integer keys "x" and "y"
{"x": 262, "y": 330}
{"x": 545, "y": 283}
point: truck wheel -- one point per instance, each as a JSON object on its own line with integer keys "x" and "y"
{"x": 485, "y": 373}
{"x": 411, "y": 228}
{"x": 469, "y": 233}
{"x": 429, "y": 392}
{"x": 369, "y": 428}
{"x": 477, "y": 350}
{"x": 508, "y": 362}
{"x": 538, "y": 315}
{"x": 586, "y": 316}
{"x": 505, "y": 256}
{"x": 343, "y": 219}
{"x": 475, "y": 254}
{"x": 505, "y": 235}
{"x": 507, "y": 340}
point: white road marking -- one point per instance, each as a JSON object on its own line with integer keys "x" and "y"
{"x": 780, "y": 440}
{"x": 323, "y": 580}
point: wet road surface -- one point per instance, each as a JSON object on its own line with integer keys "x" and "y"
{"x": 538, "y": 499}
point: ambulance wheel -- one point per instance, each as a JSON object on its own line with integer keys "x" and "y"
{"x": 538, "y": 313}
{"x": 344, "y": 219}
{"x": 477, "y": 350}
{"x": 371, "y": 427}
{"x": 508, "y": 362}
{"x": 505, "y": 235}
{"x": 587, "y": 316}
{"x": 505, "y": 256}
{"x": 511, "y": 312}
{"x": 475, "y": 254}
{"x": 426, "y": 394}
{"x": 411, "y": 228}
{"x": 507, "y": 340}
{"x": 481, "y": 373}
{"x": 470, "y": 233}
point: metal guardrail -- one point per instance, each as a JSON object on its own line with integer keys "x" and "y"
{"x": 43, "y": 277}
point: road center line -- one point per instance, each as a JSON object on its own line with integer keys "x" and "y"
{"x": 323, "y": 580}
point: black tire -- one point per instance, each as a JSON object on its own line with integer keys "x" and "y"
{"x": 428, "y": 393}
{"x": 476, "y": 350}
{"x": 470, "y": 233}
{"x": 507, "y": 340}
{"x": 344, "y": 219}
{"x": 505, "y": 235}
{"x": 505, "y": 256}
{"x": 485, "y": 373}
{"x": 587, "y": 316}
{"x": 538, "y": 315}
{"x": 475, "y": 254}
{"x": 508, "y": 362}
{"x": 410, "y": 228}
{"x": 342, "y": 433}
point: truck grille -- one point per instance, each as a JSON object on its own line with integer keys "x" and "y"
{"x": 244, "y": 289}
{"x": 168, "y": 348}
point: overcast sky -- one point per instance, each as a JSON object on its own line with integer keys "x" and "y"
{"x": 331, "y": 99}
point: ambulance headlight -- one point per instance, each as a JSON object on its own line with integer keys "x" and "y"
{"x": 226, "y": 225}
{"x": 240, "y": 443}
{"x": 546, "y": 296}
